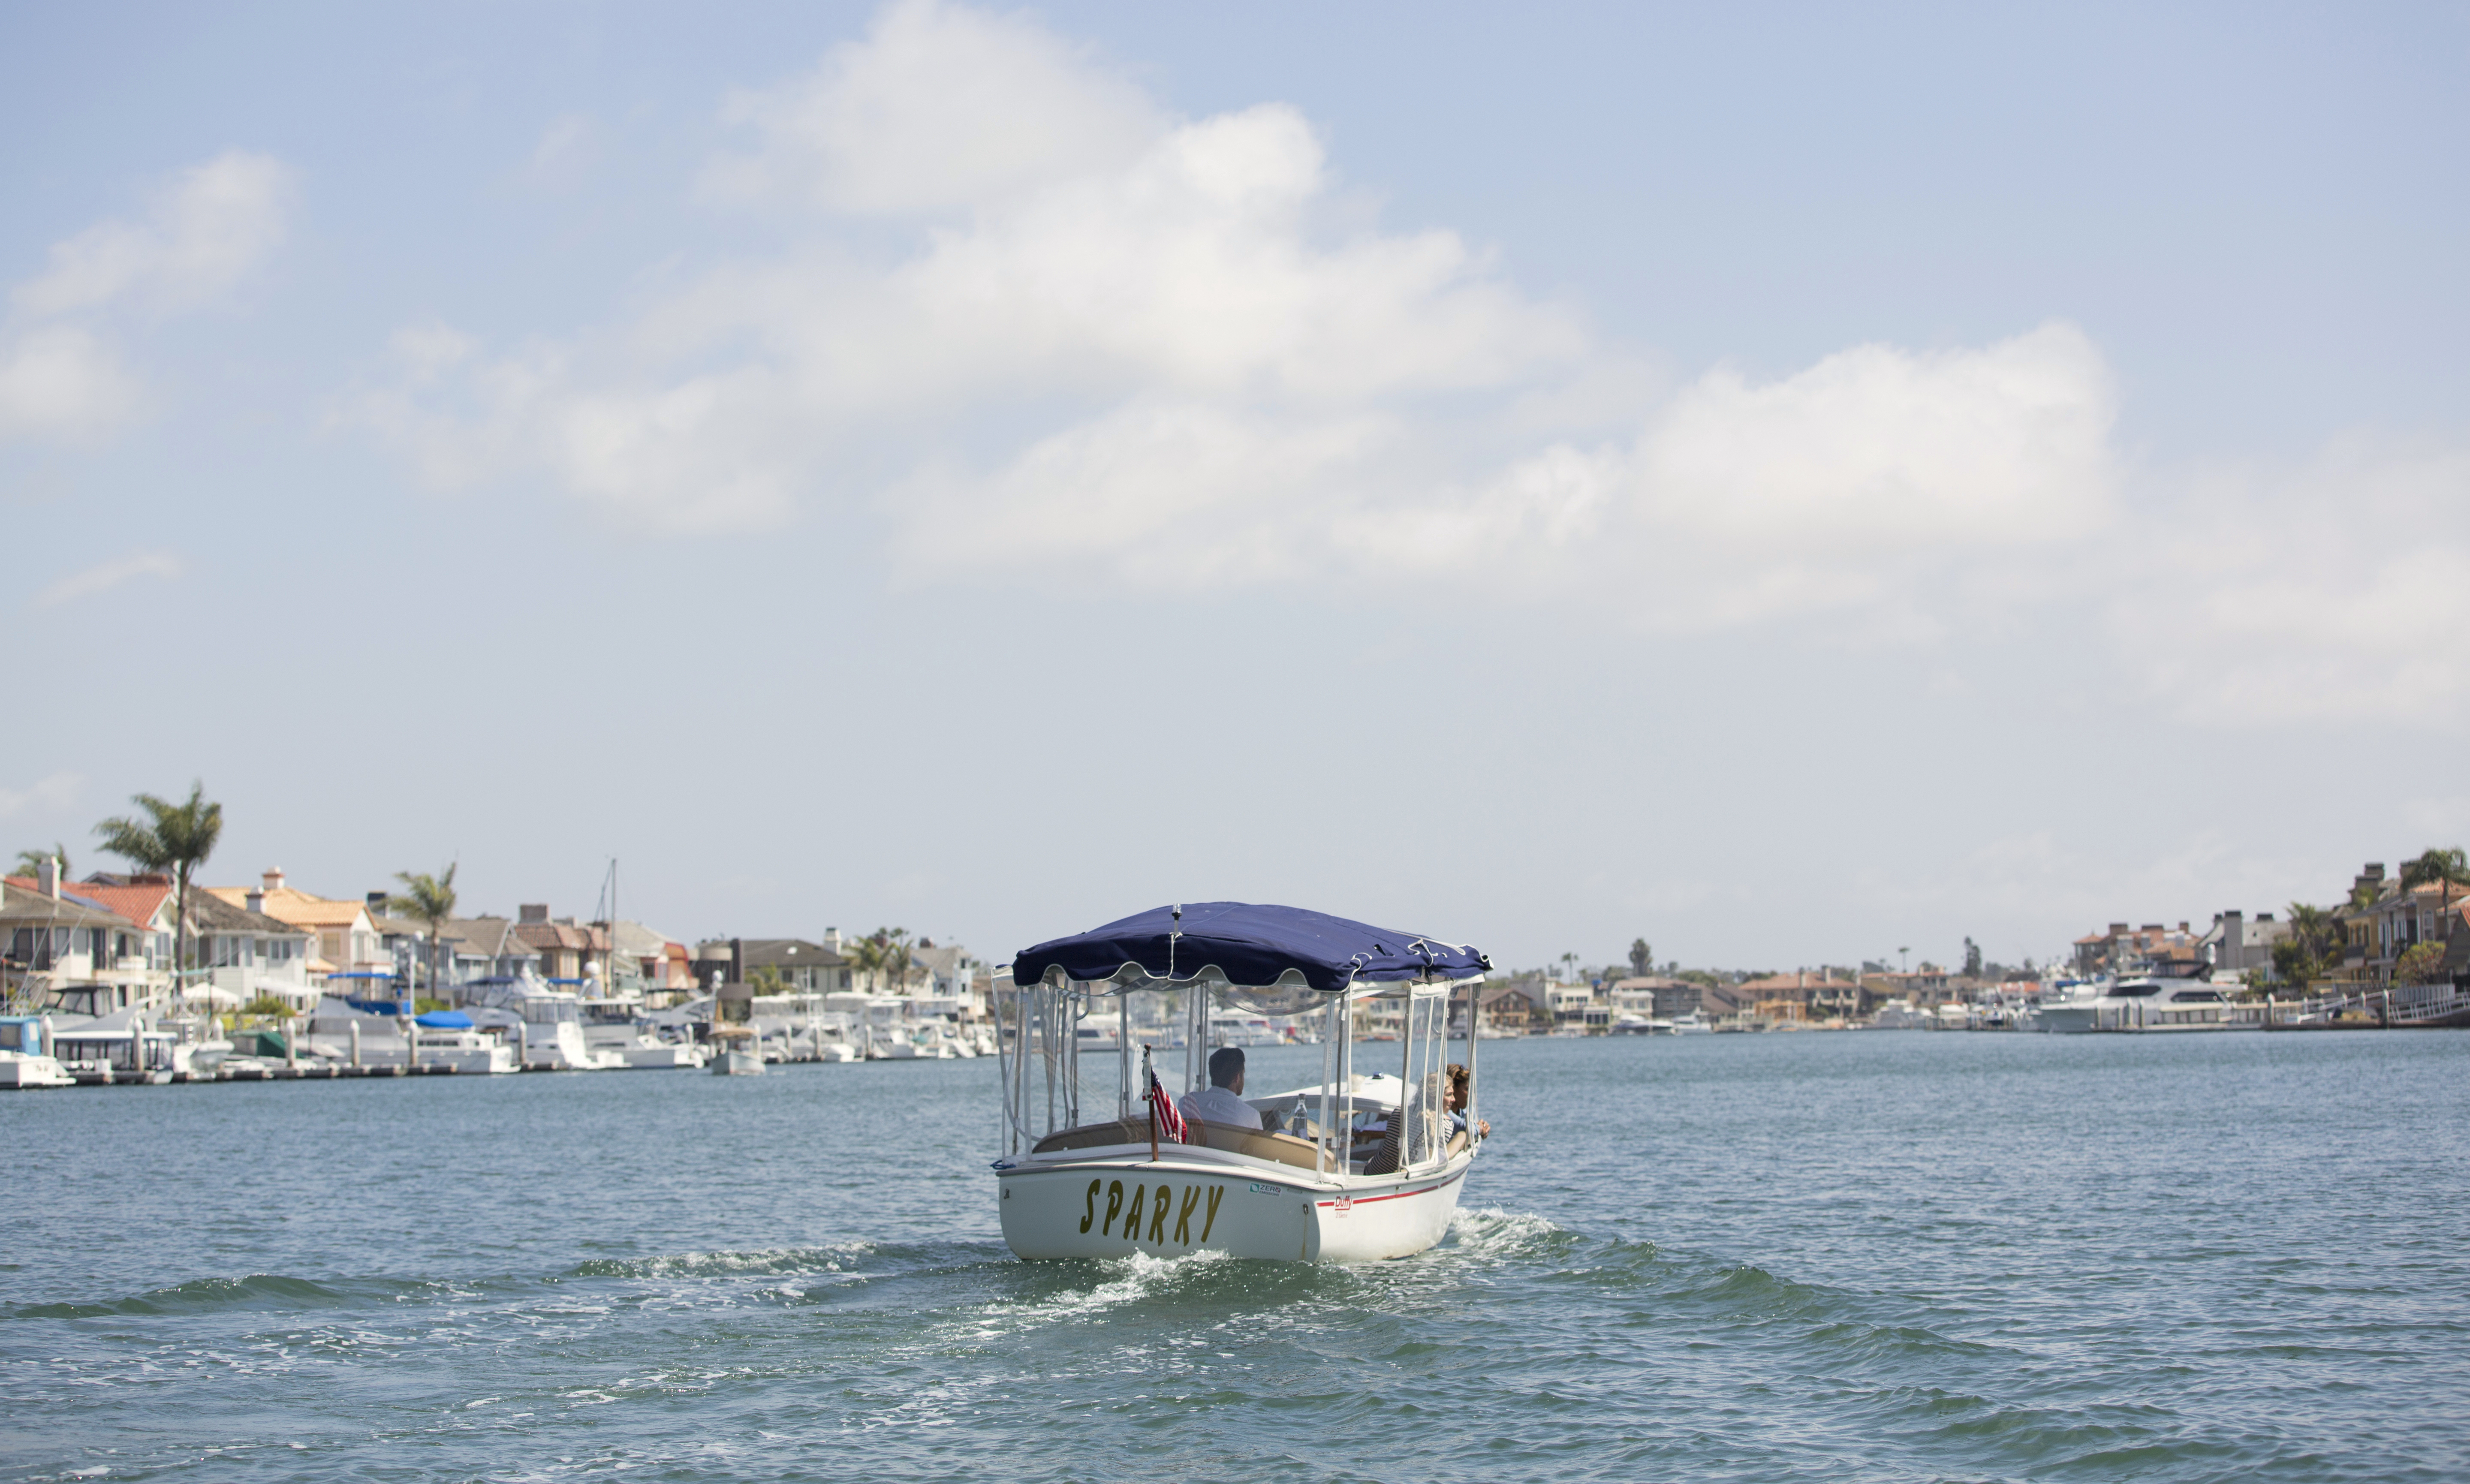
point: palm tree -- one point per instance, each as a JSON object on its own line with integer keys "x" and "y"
{"x": 2308, "y": 942}
{"x": 31, "y": 862}
{"x": 429, "y": 899}
{"x": 2443, "y": 868}
{"x": 883, "y": 955}
{"x": 176, "y": 838}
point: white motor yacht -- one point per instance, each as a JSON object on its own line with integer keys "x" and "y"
{"x": 2138, "y": 1005}
{"x": 546, "y": 1025}
{"x": 1690, "y": 1023}
{"x": 1361, "y": 1165}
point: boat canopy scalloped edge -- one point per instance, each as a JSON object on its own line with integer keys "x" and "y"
{"x": 1260, "y": 948}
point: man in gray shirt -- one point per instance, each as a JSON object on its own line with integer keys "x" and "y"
{"x": 1221, "y": 1102}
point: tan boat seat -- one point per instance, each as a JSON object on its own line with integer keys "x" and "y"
{"x": 1278, "y": 1148}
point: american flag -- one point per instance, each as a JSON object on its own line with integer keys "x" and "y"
{"x": 1164, "y": 1115}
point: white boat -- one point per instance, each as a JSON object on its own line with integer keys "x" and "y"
{"x": 735, "y": 1052}
{"x": 463, "y": 1048}
{"x": 1326, "y": 1179}
{"x": 1642, "y": 1025}
{"x": 2142, "y": 1004}
{"x": 546, "y": 1025}
{"x": 26, "y": 1060}
{"x": 1897, "y": 1015}
{"x": 1690, "y": 1023}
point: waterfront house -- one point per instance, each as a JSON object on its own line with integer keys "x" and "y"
{"x": 487, "y": 948}
{"x": 805, "y": 966}
{"x": 347, "y": 938}
{"x": 1655, "y": 995}
{"x": 55, "y": 938}
{"x": 569, "y": 950}
{"x": 2240, "y": 948}
{"x": 251, "y": 954}
{"x": 1506, "y": 1008}
{"x": 952, "y": 974}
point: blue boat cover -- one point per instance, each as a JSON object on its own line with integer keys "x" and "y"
{"x": 445, "y": 1020}
{"x": 1251, "y": 946}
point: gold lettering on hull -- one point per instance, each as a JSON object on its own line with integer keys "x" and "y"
{"x": 1154, "y": 1205}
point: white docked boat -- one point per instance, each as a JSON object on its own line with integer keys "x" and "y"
{"x": 546, "y": 1025}
{"x": 446, "y": 1040}
{"x": 1690, "y": 1023}
{"x": 1642, "y": 1025}
{"x": 1367, "y": 1162}
{"x": 2140, "y": 1004}
{"x": 26, "y": 1058}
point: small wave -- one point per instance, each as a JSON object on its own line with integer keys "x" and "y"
{"x": 1134, "y": 1278}
{"x": 1494, "y": 1232}
{"x": 257, "y": 1291}
{"x": 842, "y": 1256}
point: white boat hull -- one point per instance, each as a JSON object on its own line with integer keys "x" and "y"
{"x": 1085, "y": 1209}
{"x": 660, "y": 1056}
{"x": 738, "y": 1063}
{"x": 20, "y": 1070}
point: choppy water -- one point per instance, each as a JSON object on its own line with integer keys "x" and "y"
{"x": 1880, "y": 1256}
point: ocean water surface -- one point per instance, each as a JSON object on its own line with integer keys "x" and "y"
{"x": 1872, "y": 1256}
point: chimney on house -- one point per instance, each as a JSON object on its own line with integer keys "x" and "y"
{"x": 376, "y": 901}
{"x": 2118, "y": 930}
{"x": 47, "y": 876}
{"x": 737, "y": 960}
{"x": 534, "y": 912}
{"x": 257, "y": 899}
{"x": 832, "y": 938}
{"x": 2232, "y": 952}
{"x": 273, "y": 880}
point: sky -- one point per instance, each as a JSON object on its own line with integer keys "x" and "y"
{"x": 1791, "y": 484}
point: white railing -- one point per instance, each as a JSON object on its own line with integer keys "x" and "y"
{"x": 2394, "y": 1004}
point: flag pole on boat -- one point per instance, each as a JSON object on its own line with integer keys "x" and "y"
{"x": 1150, "y": 1096}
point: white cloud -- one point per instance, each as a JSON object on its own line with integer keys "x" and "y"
{"x": 2338, "y": 592}
{"x": 56, "y": 791}
{"x": 64, "y": 381}
{"x": 940, "y": 109}
{"x": 60, "y": 375}
{"x": 104, "y": 576}
{"x": 205, "y": 231}
{"x": 1167, "y": 349}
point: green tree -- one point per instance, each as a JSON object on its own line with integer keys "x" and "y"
{"x": 2418, "y": 963}
{"x": 884, "y": 955}
{"x": 427, "y": 899}
{"x": 1641, "y": 957}
{"x": 766, "y": 981}
{"x": 30, "y": 862}
{"x": 2303, "y": 951}
{"x": 176, "y": 838}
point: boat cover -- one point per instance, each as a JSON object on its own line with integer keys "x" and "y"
{"x": 445, "y": 1020}
{"x": 1248, "y": 944}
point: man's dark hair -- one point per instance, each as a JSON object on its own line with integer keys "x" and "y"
{"x": 1226, "y": 1065}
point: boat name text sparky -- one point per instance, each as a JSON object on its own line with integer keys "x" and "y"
{"x": 1159, "y": 1202}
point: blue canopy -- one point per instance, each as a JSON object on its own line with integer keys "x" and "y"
{"x": 1251, "y": 946}
{"x": 445, "y": 1020}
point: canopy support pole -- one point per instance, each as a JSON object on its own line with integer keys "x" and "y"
{"x": 1475, "y": 1032}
